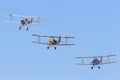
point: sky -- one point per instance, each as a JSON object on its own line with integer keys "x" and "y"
{"x": 95, "y": 24}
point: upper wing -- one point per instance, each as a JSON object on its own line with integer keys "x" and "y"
{"x": 39, "y": 35}
{"x": 53, "y": 36}
{"x": 83, "y": 64}
{"x": 66, "y": 36}
{"x": 25, "y": 16}
{"x": 96, "y": 56}
{"x": 83, "y": 57}
{"x": 107, "y": 55}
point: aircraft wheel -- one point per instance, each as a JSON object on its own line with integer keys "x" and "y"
{"x": 55, "y": 48}
{"x": 27, "y": 28}
{"x": 48, "y": 47}
{"x": 91, "y": 67}
{"x": 98, "y": 67}
{"x": 19, "y": 27}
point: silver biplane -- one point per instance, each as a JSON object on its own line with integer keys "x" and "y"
{"x": 52, "y": 41}
{"x": 97, "y": 60}
{"x": 25, "y": 20}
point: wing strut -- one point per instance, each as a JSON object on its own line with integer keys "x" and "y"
{"x": 39, "y": 39}
{"x": 66, "y": 41}
{"x": 82, "y": 60}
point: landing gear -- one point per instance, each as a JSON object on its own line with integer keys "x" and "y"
{"x": 27, "y": 29}
{"x": 55, "y": 48}
{"x": 48, "y": 47}
{"x": 20, "y": 27}
{"x": 91, "y": 67}
{"x": 98, "y": 67}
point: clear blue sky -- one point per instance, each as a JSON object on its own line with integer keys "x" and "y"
{"x": 94, "y": 23}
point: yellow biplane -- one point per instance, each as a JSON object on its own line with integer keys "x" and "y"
{"x": 52, "y": 41}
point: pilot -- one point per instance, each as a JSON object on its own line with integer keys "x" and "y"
{"x": 55, "y": 41}
{"x": 23, "y": 22}
{"x": 95, "y": 62}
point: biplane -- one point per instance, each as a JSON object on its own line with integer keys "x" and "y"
{"x": 97, "y": 60}
{"x": 25, "y": 20}
{"x": 54, "y": 41}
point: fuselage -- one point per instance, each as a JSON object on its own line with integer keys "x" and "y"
{"x": 96, "y": 62}
{"x": 25, "y": 22}
{"x": 53, "y": 42}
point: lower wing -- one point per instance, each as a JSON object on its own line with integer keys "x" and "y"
{"x": 65, "y": 44}
{"x": 40, "y": 42}
{"x": 15, "y": 22}
{"x": 108, "y": 62}
{"x": 83, "y": 64}
{"x": 36, "y": 24}
{"x": 98, "y": 64}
